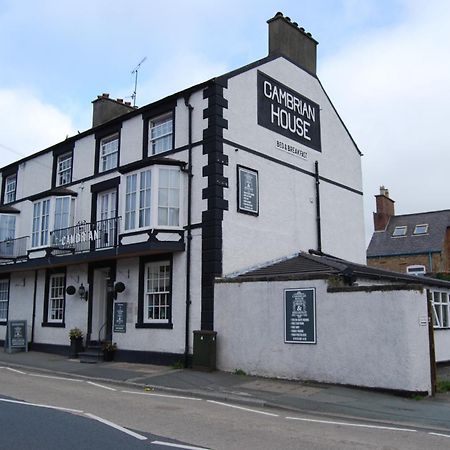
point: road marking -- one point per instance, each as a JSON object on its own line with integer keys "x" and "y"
{"x": 243, "y": 409}
{"x": 162, "y": 395}
{"x": 54, "y": 378}
{"x": 101, "y": 386}
{"x": 345, "y": 424}
{"x": 15, "y": 370}
{"x": 439, "y": 434}
{"x": 59, "y": 408}
{"x": 117, "y": 427}
{"x": 171, "y": 444}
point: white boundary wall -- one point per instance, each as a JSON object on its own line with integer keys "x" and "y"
{"x": 373, "y": 339}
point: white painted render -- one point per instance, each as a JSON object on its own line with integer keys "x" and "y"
{"x": 364, "y": 339}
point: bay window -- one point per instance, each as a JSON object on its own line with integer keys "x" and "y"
{"x": 7, "y": 227}
{"x": 39, "y": 234}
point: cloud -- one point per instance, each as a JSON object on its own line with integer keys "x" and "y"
{"x": 391, "y": 88}
{"x": 28, "y": 125}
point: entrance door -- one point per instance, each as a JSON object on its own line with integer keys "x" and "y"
{"x": 102, "y": 305}
{"x": 106, "y": 218}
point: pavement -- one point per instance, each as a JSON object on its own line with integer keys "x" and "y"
{"x": 331, "y": 401}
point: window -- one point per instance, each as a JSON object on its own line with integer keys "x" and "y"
{"x": 64, "y": 169}
{"x": 161, "y": 134}
{"x": 440, "y": 301}
{"x": 56, "y": 298}
{"x": 157, "y": 292}
{"x": 169, "y": 197}
{"x": 10, "y": 188}
{"x": 421, "y": 229}
{"x": 39, "y": 234}
{"x": 152, "y": 198}
{"x": 4, "y": 300}
{"x": 400, "y": 231}
{"x": 415, "y": 270}
{"x": 7, "y": 227}
{"x": 109, "y": 151}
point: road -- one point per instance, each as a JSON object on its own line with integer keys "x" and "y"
{"x": 113, "y": 416}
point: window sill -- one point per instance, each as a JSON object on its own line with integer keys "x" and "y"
{"x": 53, "y": 324}
{"x": 3, "y": 323}
{"x": 167, "y": 326}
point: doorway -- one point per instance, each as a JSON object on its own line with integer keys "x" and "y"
{"x": 102, "y": 300}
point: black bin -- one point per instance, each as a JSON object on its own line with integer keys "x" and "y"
{"x": 204, "y": 357}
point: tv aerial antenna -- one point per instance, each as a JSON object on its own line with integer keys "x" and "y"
{"x": 135, "y": 72}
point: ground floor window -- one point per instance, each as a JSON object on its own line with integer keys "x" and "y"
{"x": 54, "y": 306}
{"x": 4, "y": 300}
{"x": 441, "y": 308}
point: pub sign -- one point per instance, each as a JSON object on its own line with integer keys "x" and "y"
{"x": 300, "y": 316}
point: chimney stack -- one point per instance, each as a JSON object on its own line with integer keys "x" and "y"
{"x": 105, "y": 109}
{"x": 385, "y": 209}
{"x": 287, "y": 39}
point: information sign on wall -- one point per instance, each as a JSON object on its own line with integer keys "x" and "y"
{"x": 248, "y": 191}
{"x": 300, "y": 316}
{"x": 286, "y": 112}
{"x": 120, "y": 317}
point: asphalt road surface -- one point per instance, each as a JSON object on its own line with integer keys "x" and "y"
{"x": 39, "y": 411}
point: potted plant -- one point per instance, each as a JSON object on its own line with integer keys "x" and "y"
{"x": 76, "y": 342}
{"x": 109, "y": 348}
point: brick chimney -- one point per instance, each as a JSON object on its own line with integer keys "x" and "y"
{"x": 287, "y": 39}
{"x": 105, "y": 109}
{"x": 385, "y": 209}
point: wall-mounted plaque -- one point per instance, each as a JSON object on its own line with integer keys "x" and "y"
{"x": 286, "y": 112}
{"x": 248, "y": 191}
{"x": 120, "y": 317}
{"x": 300, "y": 316}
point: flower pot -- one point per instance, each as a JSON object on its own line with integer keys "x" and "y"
{"x": 76, "y": 346}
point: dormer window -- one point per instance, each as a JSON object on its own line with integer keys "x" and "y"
{"x": 64, "y": 169}
{"x": 400, "y": 231}
{"x": 421, "y": 229}
{"x": 10, "y": 188}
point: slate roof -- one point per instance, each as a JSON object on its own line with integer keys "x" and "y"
{"x": 314, "y": 266}
{"x": 383, "y": 244}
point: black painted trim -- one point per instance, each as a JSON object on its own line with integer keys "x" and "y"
{"x": 9, "y": 210}
{"x": 48, "y": 274}
{"x": 140, "y": 313}
{"x": 101, "y": 134}
{"x": 151, "y": 161}
{"x": 54, "y": 349}
{"x": 60, "y": 191}
{"x": 146, "y": 357}
{"x": 105, "y": 185}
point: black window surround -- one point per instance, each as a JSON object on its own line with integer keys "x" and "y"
{"x": 99, "y": 136}
{"x": 62, "y": 150}
{"x": 141, "y": 302}
{"x": 45, "y": 322}
{"x": 154, "y": 113}
{"x": 6, "y": 174}
{"x": 6, "y": 278}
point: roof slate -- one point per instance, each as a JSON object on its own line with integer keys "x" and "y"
{"x": 383, "y": 244}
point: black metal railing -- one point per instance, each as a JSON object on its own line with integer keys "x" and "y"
{"x": 14, "y": 248}
{"x": 86, "y": 236}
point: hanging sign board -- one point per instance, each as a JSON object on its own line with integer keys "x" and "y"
{"x": 16, "y": 335}
{"x": 120, "y": 317}
{"x": 286, "y": 112}
{"x": 248, "y": 191}
{"x": 300, "y": 316}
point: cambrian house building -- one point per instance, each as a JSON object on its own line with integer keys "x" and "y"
{"x": 130, "y": 230}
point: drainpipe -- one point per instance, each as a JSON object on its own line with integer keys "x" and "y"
{"x": 319, "y": 232}
{"x": 33, "y": 317}
{"x": 430, "y": 261}
{"x": 188, "y": 235}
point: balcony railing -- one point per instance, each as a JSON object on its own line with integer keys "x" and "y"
{"x": 14, "y": 248}
{"x": 85, "y": 236}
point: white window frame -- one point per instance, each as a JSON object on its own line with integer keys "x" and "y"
{"x": 10, "y": 188}
{"x": 64, "y": 169}
{"x": 400, "y": 231}
{"x": 56, "y": 298}
{"x": 418, "y": 226}
{"x": 108, "y": 153}
{"x": 4, "y": 300}
{"x": 142, "y": 207}
{"x": 441, "y": 308}
{"x": 157, "y": 292}
{"x": 417, "y": 270}
{"x": 7, "y": 232}
{"x": 160, "y": 134}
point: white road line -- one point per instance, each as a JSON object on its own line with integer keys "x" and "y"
{"x": 439, "y": 434}
{"x": 345, "y": 424}
{"x": 117, "y": 427}
{"x": 171, "y": 444}
{"x": 55, "y": 378}
{"x": 161, "y": 395}
{"x": 59, "y": 408}
{"x": 243, "y": 409}
{"x": 101, "y": 386}
{"x": 15, "y": 370}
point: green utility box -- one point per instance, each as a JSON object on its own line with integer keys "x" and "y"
{"x": 204, "y": 357}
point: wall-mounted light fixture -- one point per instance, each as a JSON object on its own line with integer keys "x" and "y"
{"x": 119, "y": 287}
{"x": 82, "y": 291}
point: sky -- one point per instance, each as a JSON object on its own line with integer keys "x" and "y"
{"x": 384, "y": 63}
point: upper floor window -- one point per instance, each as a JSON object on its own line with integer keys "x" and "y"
{"x": 109, "y": 151}
{"x": 152, "y": 198}
{"x": 64, "y": 169}
{"x": 160, "y": 134}
{"x": 10, "y": 188}
{"x": 421, "y": 229}
{"x": 416, "y": 270}
{"x": 7, "y": 227}
{"x": 400, "y": 231}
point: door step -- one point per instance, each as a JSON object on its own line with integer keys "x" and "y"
{"x": 92, "y": 355}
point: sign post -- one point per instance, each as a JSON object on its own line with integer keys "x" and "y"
{"x": 16, "y": 335}
{"x": 300, "y": 316}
